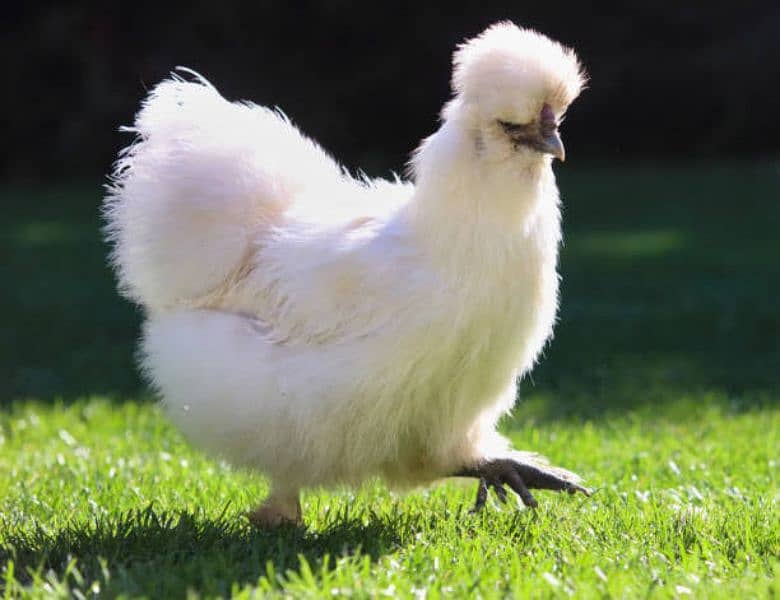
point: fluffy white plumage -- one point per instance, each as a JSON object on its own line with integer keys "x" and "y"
{"x": 323, "y": 329}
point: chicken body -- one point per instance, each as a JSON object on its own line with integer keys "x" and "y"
{"x": 323, "y": 329}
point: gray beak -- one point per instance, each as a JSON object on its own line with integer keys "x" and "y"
{"x": 552, "y": 144}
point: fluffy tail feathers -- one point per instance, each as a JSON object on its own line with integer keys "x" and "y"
{"x": 202, "y": 178}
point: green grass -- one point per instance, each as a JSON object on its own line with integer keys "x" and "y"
{"x": 661, "y": 388}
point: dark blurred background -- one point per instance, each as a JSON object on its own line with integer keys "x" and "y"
{"x": 669, "y": 80}
{"x": 671, "y": 191}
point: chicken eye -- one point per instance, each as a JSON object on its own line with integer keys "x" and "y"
{"x": 514, "y": 129}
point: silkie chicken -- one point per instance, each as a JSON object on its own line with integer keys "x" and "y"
{"x": 323, "y": 329}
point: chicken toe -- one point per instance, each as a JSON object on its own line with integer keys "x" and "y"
{"x": 521, "y": 477}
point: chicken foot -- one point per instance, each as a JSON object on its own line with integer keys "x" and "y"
{"x": 521, "y": 477}
{"x": 280, "y": 508}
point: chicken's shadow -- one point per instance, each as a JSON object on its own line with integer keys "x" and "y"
{"x": 168, "y": 555}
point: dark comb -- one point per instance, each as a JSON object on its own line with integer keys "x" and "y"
{"x": 547, "y": 117}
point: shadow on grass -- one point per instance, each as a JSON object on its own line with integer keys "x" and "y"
{"x": 165, "y": 555}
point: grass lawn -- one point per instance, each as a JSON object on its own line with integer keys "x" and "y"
{"x": 661, "y": 388}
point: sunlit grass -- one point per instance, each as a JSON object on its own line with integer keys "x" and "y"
{"x": 100, "y": 496}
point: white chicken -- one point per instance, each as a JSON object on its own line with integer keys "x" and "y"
{"x": 323, "y": 329}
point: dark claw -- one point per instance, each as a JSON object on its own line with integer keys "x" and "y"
{"x": 482, "y": 494}
{"x": 520, "y": 477}
{"x": 538, "y": 479}
{"x": 483, "y": 488}
{"x": 515, "y": 481}
{"x": 498, "y": 488}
